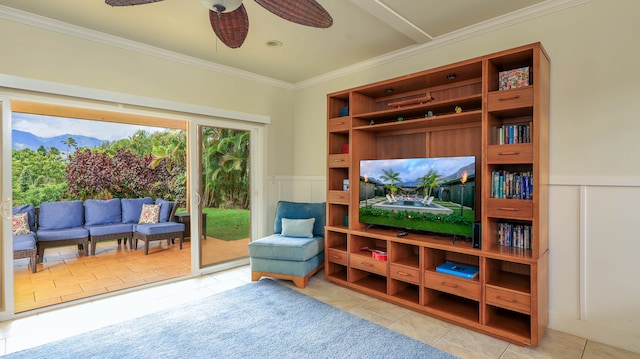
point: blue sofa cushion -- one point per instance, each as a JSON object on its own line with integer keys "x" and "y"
{"x": 280, "y": 247}
{"x": 159, "y": 228}
{"x": 24, "y": 241}
{"x": 45, "y": 235}
{"x": 165, "y": 209}
{"x": 97, "y": 211}
{"x": 60, "y": 215}
{"x": 301, "y": 210}
{"x": 30, "y": 210}
{"x": 132, "y": 207}
{"x": 107, "y": 229}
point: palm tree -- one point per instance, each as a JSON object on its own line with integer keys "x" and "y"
{"x": 392, "y": 177}
{"x": 428, "y": 181}
{"x": 70, "y": 142}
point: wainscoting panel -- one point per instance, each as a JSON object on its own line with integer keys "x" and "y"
{"x": 594, "y": 260}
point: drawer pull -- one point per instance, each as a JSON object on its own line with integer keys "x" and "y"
{"x": 403, "y": 273}
{"x": 509, "y": 153}
{"x": 338, "y": 160}
{"x": 515, "y": 97}
{"x": 506, "y": 299}
{"x": 508, "y": 209}
{"x": 366, "y": 264}
{"x": 335, "y": 256}
{"x": 447, "y": 284}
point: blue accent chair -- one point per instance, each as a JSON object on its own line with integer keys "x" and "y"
{"x": 61, "y": 224}
{"x": 25, "y": 245}
{"x": 296, "y": 249}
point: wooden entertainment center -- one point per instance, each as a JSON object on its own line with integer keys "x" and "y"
{"x": 469, "y": 114}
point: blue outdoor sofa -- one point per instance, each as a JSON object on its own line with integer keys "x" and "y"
{"x": 65, "y": 223}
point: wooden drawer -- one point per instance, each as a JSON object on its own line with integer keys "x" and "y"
{"x": 405, "y": 274}
{"x": 510, "y": 99}
{"x": 337, "y": 256}
{"x": 462, "y": 287}
{"x": 508, "y": 299}
{"x": 369, "y": 264}
{"x": 338, "y": 197}
{"x": 510, "y": 208}
{"x": 338, "y": 124}
{"x": 520, "y": 153}
{"x": 339, "y": 160}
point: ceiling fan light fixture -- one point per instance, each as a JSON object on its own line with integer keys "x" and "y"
{"x": 274, "y": 43}
{"x": 221, "y": 6}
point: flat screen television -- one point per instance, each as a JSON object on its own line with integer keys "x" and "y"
{"x": 434, "y": 195}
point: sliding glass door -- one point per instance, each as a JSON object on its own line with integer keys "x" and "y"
{"x": 225, "y": 194}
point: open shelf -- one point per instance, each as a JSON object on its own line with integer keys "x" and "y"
{"x": 452, "y": 306}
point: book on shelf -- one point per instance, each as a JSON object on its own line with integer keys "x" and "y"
{"x": 514, "y": 235}
{"x": 511, "y": 185}
{"x": 513, "y": 134}
{"x": 457, "y": 269}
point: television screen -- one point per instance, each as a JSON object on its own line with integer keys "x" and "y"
{"x": 434, "y": 195}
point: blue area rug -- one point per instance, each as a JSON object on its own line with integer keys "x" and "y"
{"x": 259, "y": 320}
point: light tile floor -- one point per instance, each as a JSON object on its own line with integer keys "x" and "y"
{"x": 46, "y": 327}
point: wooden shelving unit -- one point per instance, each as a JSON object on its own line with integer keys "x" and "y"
{"x": 509, "y": 297}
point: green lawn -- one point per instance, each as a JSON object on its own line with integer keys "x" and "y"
{"x": 228, "y": 224}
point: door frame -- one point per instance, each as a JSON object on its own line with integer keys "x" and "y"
{"x": 55, "y": 94}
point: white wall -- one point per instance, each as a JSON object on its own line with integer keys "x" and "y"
{"x": 594, "y": 172}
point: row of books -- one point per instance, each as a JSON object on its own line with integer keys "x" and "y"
{"x": 513, "y": 134}
{"x": 514, "y": 235}
{"x": 511, "y": 185}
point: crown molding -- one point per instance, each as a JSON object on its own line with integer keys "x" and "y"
{"x": 49, "y": 24}
{"x": 494, "y": 24}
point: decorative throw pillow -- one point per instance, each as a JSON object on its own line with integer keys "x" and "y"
{"x": 20, "y": 224}
{"x": 298, "y": 227}
{"x": 150, "y": 214}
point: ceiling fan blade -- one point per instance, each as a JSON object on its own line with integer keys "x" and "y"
{"x": 230, "y": 27}
{"x": 303, "y": 12}
{"x": 128, "y": 2}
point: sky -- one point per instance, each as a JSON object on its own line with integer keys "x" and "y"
{"x": 49, "y": 126}
{"x": 413, "y": 168}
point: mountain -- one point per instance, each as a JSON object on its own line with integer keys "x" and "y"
{"x": 21, "y": 140}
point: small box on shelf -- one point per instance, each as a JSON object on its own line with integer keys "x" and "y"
{"x": 344, "y": 111}
{"x": 345, "y": 184}
{"x": 515, "y": 78}
{"x": 457, "y": 269}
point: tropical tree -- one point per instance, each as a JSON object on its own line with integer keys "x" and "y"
{"x": 225, "y": 174}
{"x": 428, "y": 182}
{"x": 392, "y": 177}
{"x": 37, "y": 176}
{"x": 70, "y": 142}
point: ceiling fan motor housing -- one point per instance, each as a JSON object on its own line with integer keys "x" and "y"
{"x": 221, "y": 6}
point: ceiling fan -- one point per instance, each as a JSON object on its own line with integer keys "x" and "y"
{"x": 230, "y": 22}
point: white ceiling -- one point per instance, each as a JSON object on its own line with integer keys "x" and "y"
{"x": 362, "y": 29}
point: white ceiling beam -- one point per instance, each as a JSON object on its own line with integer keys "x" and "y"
{"x": 393, "y": 19}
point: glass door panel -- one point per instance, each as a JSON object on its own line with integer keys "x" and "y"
{"x": 225, "y": 195}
